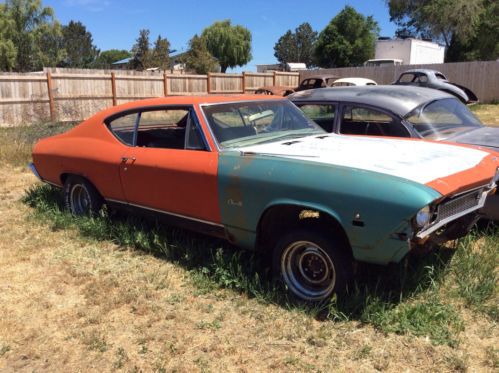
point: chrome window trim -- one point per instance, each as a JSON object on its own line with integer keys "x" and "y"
{"x": 215, "y": 140}
{"x": 140, "y": 110}
{"x": 193, "y": 115}
{"x": 166, "y": 212}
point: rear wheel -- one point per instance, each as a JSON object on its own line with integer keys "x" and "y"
{"x": 81, "y": 197}
{"x": 312, "y": 265}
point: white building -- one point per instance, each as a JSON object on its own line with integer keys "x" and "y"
{"x": 410, "y": 51}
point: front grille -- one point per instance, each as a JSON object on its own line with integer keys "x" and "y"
{"x": 459, "y": 204}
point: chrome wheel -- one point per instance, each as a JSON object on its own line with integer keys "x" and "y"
{"x": 308, "y": 270}
{"x": 79, "y": 199}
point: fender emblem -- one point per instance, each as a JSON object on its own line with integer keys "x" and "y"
{"x": 231, "y": 202}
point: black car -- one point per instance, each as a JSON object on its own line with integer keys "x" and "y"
{"x": 398, "y": 111}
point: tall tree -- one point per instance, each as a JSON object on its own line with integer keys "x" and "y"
{"x": 141, "y": 51}
{"x": 198, "y": 58}
{"x": 78, "y": 43}
{"x": 230, "y": 45}
{"x": 160, "y": 53}
{"x": 8, "y": 51}
{"x": 348, "y": 40}
{"x": 296, "y": 46}
{"x": 30, "y": 28}
{"x": 468, "y": 28}
{"x": 106, "y": 58}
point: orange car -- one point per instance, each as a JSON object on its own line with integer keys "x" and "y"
{"x": 254, "y": 170}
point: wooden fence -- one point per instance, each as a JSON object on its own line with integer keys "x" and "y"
{"x": 482, "y": 77}
{"x": 59, "y": 95}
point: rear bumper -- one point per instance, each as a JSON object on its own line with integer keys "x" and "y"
{"x": 35, "y": 172}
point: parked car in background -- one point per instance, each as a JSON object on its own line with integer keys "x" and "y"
{"x": 311, "y": 82}
{"x": 275, "y": 90}
{"x": 317, "y": 81}
{"x": 347, "y": 82}
{"x": 399, "y": 111}
{"x": 435, "y": 79}
{"x": 255, "y": 171}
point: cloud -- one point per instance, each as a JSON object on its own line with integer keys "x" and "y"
{"x": 90, "y": 5}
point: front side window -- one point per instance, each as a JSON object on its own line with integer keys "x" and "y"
{"x": 249, "y": 123}
{"x": 358, "y": 120}
{"x": 322, "y": 114}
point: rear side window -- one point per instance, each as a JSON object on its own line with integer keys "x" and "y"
{"x": 357, "y": 120}
{"x": 124, "y": 128}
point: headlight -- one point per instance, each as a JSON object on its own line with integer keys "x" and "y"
{"x": 423, "y": 217}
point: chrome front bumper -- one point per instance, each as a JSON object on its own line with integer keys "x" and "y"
{"x": 35, "y": 172}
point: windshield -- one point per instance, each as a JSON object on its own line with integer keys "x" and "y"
{"x": 241, "y": 124}
{"x": 442, "y": 119}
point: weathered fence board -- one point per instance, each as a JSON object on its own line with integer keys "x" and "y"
{"x": 74, "y": 94}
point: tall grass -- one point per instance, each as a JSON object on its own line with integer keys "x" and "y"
{"x": 16, "y": 143}
{"x": 411, "y": 298}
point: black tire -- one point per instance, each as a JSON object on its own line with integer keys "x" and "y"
{"x": 312, "y": 265}
{"x": 81, "y": 197}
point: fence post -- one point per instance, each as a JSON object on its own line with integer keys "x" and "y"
{"x": 113, "y": 87}
{"x": 244, "y": 81}
{"x": 274, "y": 78}
{"x": 165, "y": 84}
{"x": 208, "y": 83}
{"x": 51, "y": 97}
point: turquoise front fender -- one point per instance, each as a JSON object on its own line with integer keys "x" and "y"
{"x": 250, "y": 184}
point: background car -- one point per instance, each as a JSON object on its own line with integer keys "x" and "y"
{"x": 311, "y": 82}
{"x": 347, "y": 82}
{"x": 398, "y": 111}
{"x": 277, "y": 90}
{"x": 435, "y": 79}
{"x": 255, "y": 171}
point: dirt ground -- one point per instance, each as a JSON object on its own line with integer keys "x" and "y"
{"x": 73, "y": 304}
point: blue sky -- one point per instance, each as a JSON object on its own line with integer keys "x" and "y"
{"x": 116, "y": 24}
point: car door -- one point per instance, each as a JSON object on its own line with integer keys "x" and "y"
{"x": 169, "y": 167}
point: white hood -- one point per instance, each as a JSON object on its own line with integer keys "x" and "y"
{"x": 416, "y": 160}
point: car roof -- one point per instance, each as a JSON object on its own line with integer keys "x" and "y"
{"x": 398, "y": 99}
{"x": 358, "y": 81}
{"x": 184, "y": 100}
{"x": 426, "y": 71}
{"x": 320, "y": 76}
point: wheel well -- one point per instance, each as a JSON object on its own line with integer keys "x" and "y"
{"x": 278, "y": 220}
{"x": 64, "y": 177}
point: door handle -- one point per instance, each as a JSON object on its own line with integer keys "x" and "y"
{"x": 125, "y": 159}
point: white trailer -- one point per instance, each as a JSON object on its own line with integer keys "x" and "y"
{"x": 410, "y": 51}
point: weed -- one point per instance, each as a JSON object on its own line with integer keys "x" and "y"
{"x": 492, "y": 357}
{"x": 95, "y": 342}
{"x": 4, "y": 350}
{"x": 363, "y": 352}
{"x": 121, "y": 358}
{"x": 474, "y": 266}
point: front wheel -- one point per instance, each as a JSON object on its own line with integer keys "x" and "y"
{"x": 312, "y": 265}
{"x": 81, "y": 197}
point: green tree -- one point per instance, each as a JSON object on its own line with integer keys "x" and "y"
{"x": 29, "y": 29}
{"x": 8, "y": 51}
{"x": 141, "y": 51}
{"x": 198, "y": 58}
{"x": 106, "y": 58}
{"x": 348, "y": 40}
{"x": 296, "y": 46}
{"x": 160, "y": 53}
{"x": 468, "y": 28}
{"x": 78, "y": 43}
{"x": 230, "y": 45}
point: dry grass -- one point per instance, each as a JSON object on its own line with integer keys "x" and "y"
{"x": 74, "y": 303}
{"x": 488, "y": 114}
